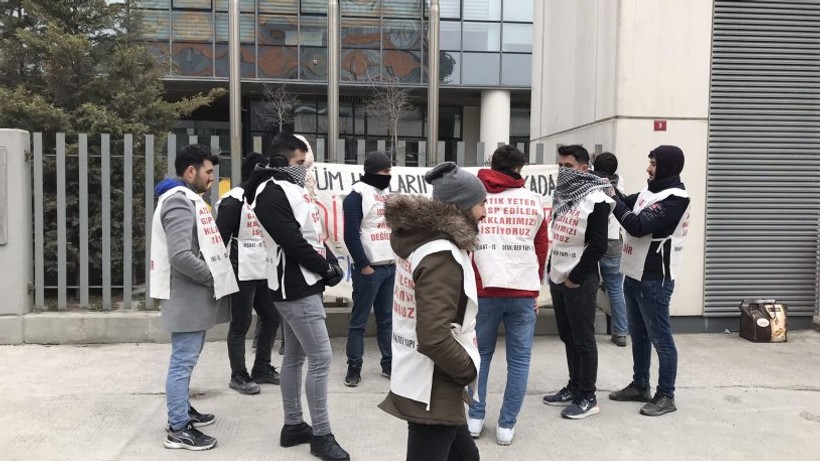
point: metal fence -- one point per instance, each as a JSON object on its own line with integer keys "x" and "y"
{"x": 118, "y": 205}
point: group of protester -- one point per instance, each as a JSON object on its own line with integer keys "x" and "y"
{"x": 454, "y": 268}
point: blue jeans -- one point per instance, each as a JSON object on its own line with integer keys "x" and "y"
{"x": 185, "y": 350}
{"x": 614, "y": 284}
{"x": 371, "y": 291}
{"x": 518, "y": 315}
{"x": 647, "y": 304}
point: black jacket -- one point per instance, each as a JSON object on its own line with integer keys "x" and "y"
{"x": 658, "y": 220}
{"x": 228, "y": 216}
{"x": 275, "y": 214}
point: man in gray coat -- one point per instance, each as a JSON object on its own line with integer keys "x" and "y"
{"x": 190, "y": 309}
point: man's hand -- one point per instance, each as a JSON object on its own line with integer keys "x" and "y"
{"x": 368, "y": 271}
{"x": 535, "y": 305}
{"x": 334, "y": 275}
{"x": 569, "y": 284}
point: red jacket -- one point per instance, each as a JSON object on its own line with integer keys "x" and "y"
{"x": 496, "y": 182}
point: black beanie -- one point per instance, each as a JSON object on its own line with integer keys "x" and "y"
{"x": 668, "y": 161}
{"x": 375, "y": 162}
{"x": 249, "y": 163}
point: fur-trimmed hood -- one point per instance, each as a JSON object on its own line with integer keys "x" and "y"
{"x": 416, "y": 220}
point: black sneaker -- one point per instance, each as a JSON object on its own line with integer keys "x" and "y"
{"x": 581, "y": 408}
{"x": 631, "y": 393}
{"x": 326, "y": 448}
{"x": 354, "y": 376}
{"x": 387, "y": 371}
{"x": 189, "y": 438}
{"x": 244, "y": 385}
{"x": 200, "y": 419}
{"x": 561, "y": 398}
{"x": 660, "y": 405}
{"x": 267, "y": 375}
{"x": 618, "y": 340}
{"x": 295, "y": 434}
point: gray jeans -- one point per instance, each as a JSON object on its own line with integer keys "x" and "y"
{"x": 305, "y": 336}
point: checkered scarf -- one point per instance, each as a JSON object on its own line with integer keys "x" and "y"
{"x": 572, "y": 186}
{"x": 296, "y": 173}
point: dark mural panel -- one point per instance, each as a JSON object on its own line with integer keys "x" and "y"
{"x": 161, "y": 51}
{"x": 278, "y": 62}
{"x": 246, "y": 64}
{"x": 278, "y": 30}
{"x": 402, "y": 35}
{"x": 314, "y": 63}
{"x": 361, "y": 33}
{"x": 193, "y": 59}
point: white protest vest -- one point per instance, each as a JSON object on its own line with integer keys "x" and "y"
{"x": 636, "y": 249}
{"x": 251, "y": 253}
{"x": 412, "y": 371}
{"x": 505, "y": 254}
{"x": 375, "y": 233}
{"x": 211, "y": 247}
{"x": 307, "y": 215}
{"x": 569, "y": 235}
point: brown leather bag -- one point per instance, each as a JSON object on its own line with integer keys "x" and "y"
{"x": 763, "y": 321}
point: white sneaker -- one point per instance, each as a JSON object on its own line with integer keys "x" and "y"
{"x": 475, "y": 426}
{"x": 504, "y": 435}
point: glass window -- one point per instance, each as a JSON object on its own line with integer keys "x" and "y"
{"x": 245, "y": 6}
{"x": 449, "y": 68}
{"x": 402, "y": 35}
{"x": 450, "y": 37}
{"x": 359, "y": 116}
{"x": 313, "y": 31}
{"x": 314, "y": 6}
{"x": 155, "y": 25}
{"x": 278, "y": 6}
{"x": 192, "y": 4}
{"x": 517, "y": 38}
{"x": 345, "y": 119}
{"x": 193, "y": 59}
{"x": 449, "y": 123}
{"x": 359, "y": 65}
{"x": 480, "y": 68}
{"x": 313, "y": 63}
{"x": 516, "y": 69}
{"x": 369, "y": 8}
{"x": 159, "y": 4}
{"x": 189, "y": 26}
{"x": 401, "y": 8}
{"x": 247, "y": 61}
{"x": 519, "y": 122}
{"x": 376, "y": 125}
{"x": 361, "y": 33}
{"x": 410, "y": 125}
{"x": 246, "y": 28}
{"x": 482, "y": 10}
{"x": 518, "y": 10}
{"x": 405, "y": 66}
{"x": 278, "y": 30}
{"x": 450, "y": 9}
{"x": 482, "y": 36}
{"x": 305, "y": 117}
{"x": 278, "y": 62}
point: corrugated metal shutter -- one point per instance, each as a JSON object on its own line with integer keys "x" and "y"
{"x": 763, "y": 188}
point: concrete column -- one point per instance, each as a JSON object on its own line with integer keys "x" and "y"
{"x": 495, "y": 119}
{"x": 15, "y": 234}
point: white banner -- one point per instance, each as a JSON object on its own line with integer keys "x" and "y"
{"x": 334, "y": 182}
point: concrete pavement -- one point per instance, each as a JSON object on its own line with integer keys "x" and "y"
{"x": 736, "y": 400}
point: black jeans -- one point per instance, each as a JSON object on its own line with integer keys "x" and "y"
{"x": 575, "y": 316}
{"x": 252, "y": 295}
{"x": 427, "y": 442}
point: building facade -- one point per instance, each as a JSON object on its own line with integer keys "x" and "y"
{"x": 736, "y": 85}
{"x": 485, "y": 66}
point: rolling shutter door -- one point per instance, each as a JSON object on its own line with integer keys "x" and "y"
{"x": 763, "y": 184}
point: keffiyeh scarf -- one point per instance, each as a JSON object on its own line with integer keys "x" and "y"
{"x": 296, "y": 173}
{"x": 572, "y": 186}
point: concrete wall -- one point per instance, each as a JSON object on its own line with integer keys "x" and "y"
{"x": 605, "y": 71}
{"x": 16, "y": 253}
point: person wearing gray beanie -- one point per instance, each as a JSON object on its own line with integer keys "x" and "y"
{"x": 376, "y": 161}
{"x": 433, "y": 344}
{"x": 453, "y": 185}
